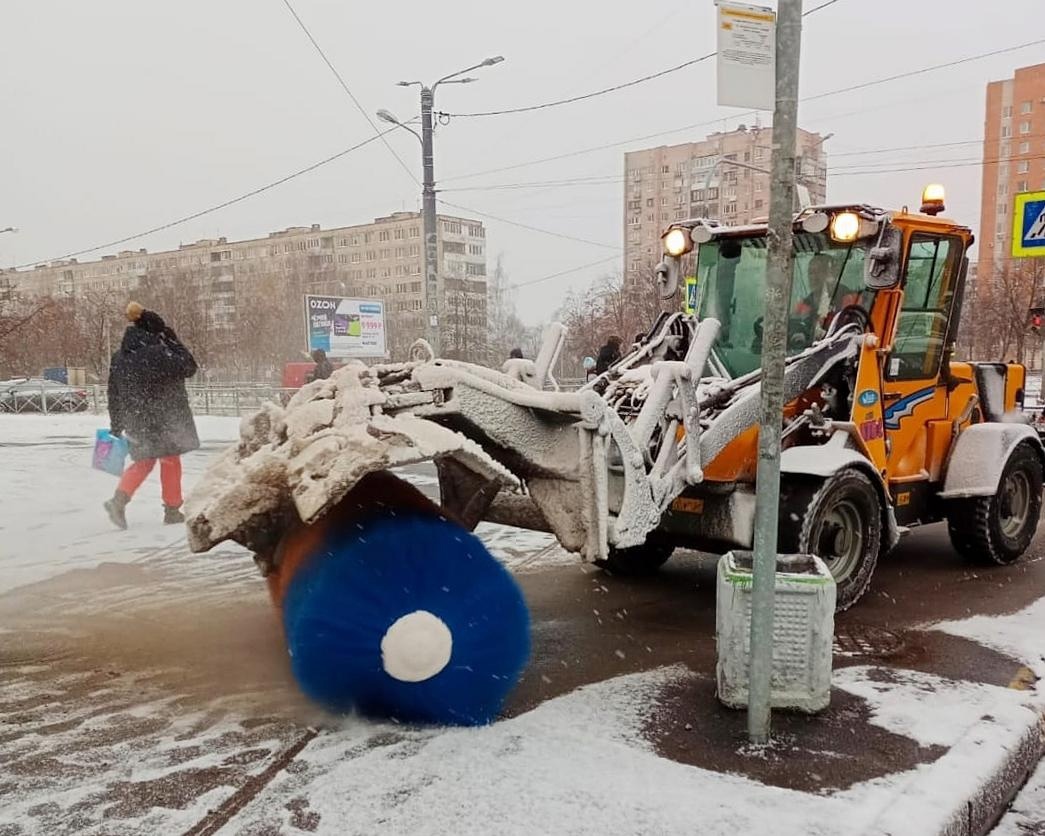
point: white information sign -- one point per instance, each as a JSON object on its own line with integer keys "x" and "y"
{"x": 746, "y": 56}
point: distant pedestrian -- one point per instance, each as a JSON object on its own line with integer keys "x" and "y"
{"x": 515, "y": 354}
{"x": 324, "y": 368}
{"x": 148, "y": 404}
{"x": 608, "y": 354}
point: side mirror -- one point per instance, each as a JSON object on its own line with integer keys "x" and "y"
{"x": 882, "y": 263}
{"x": 667, "y": 274}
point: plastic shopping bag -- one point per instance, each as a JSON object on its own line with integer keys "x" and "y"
{"x": 110, "y": 452}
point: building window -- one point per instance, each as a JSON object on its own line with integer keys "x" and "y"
{"x": 342, "y": 259}
{"x": 1025, "y": 126}
{"x": 398, "y": 233}
{"x": 758, "y": 185}
{"x": 1025, "y": 107}
{"x": 475, "y": 249}
{"x": 415, "y": 232}
{"x": 1003, "y": 209}
{"x": 1006, "y": 112}
{"x": 1021, "y": 186}
{"x": 1022, "y": 167}
{"x": 368, "y": 237}
{"x": 452, "y": 227}
{"x": 758, "y": 204}
{"x": 371, "y": 255}
{"x": 355, "y": 258}
{"x": 731, "y": 207}
{"x": 453, "y": 247}
{"x": 1024, "y": 147}
{"x": 382, "y": 235}
{"x": 1006, "y": 130}
{"x": 665, "y": 169}
{"x": 649, "y": 201}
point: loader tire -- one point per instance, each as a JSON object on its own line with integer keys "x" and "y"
{"x": 638, "y": 561}
{"x": 999, "y": 528}
{"x": 839, "y": 519}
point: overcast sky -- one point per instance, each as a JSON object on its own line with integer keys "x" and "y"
{"x": 120, "y": 115}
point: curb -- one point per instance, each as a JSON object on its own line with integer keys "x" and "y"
{"x": 976, "y": 809}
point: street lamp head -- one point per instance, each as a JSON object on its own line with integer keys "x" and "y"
{"x": 387, "y": 116}
{"x": 406, "y": 83}
{"x": 489, "y": 62}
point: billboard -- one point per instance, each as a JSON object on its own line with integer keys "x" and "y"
{"x": 345, "y": 327}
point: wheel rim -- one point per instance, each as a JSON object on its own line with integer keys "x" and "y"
{"x": 840, "y": 540}
{"x": 1015, "y": 502}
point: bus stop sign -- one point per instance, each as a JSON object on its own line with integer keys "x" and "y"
{"x": 1028, "y": 225}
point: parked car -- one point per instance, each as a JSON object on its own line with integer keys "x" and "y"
{"x": 33, "y": 393}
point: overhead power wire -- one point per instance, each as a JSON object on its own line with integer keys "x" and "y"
{"x": 211, "y": 209}
{"x": 548, "y": 278}
{"x": 910, "y": 73}
{"x": 746, "y": 114}
{"x": 510, "y": 222}
{"x": 595, "y": 93}
{"x": 351, "y": 95}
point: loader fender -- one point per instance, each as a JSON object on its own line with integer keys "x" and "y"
{"x": 824, "y": 460}
{"x": 979, "y": 456}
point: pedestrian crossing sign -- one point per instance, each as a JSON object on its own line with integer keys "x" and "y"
{"x": 689, "y": 302}
{"x": 1028, "y": 225}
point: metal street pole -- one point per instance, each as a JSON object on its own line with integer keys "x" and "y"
{"x": 433, "y": 326}
{"x": 428, "y": 221}
{"x": 778, "y": 295}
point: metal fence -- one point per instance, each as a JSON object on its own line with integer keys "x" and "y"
{"x": 204, "y": 399}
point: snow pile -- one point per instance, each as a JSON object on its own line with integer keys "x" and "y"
{"x": 299, "y": 462}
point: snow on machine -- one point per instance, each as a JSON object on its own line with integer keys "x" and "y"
{"x": 882, "y": 428}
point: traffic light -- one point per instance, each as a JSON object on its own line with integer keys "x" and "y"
{"x": 1035, "y": 317}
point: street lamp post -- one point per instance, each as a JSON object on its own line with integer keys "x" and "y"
{"x": 428, "y": 209}
{"x": 9, "y": 229}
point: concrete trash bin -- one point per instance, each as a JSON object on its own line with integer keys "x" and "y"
{"x": 803, "y": 631}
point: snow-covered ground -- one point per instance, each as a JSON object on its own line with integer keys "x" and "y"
{"x": 176, "y": 697}
{"x": 51, "y": 519}
{"x": 1027, "y": 816}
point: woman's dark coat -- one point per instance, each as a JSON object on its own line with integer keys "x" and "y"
{"x": 147, "y": 398}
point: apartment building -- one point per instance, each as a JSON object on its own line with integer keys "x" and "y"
{"x": 380, "y": 260}
{"x": 1013, "y": 162}
{"x": 725, "y": 177}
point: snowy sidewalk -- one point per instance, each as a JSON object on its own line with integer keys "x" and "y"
{"x": 145, "y": 690}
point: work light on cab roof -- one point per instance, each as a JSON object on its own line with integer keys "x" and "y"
{"x": 933, "y": 197}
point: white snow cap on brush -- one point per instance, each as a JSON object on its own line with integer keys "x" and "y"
{"x": 416, "y": 647}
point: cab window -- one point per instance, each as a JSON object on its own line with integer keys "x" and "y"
{"x": 931, "y": 279}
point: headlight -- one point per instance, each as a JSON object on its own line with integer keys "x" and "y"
{"x": 845, "y": 227}
{"x": 677, "y": 242}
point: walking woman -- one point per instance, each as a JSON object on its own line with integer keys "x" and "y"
{"x": 149, "y": 405}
